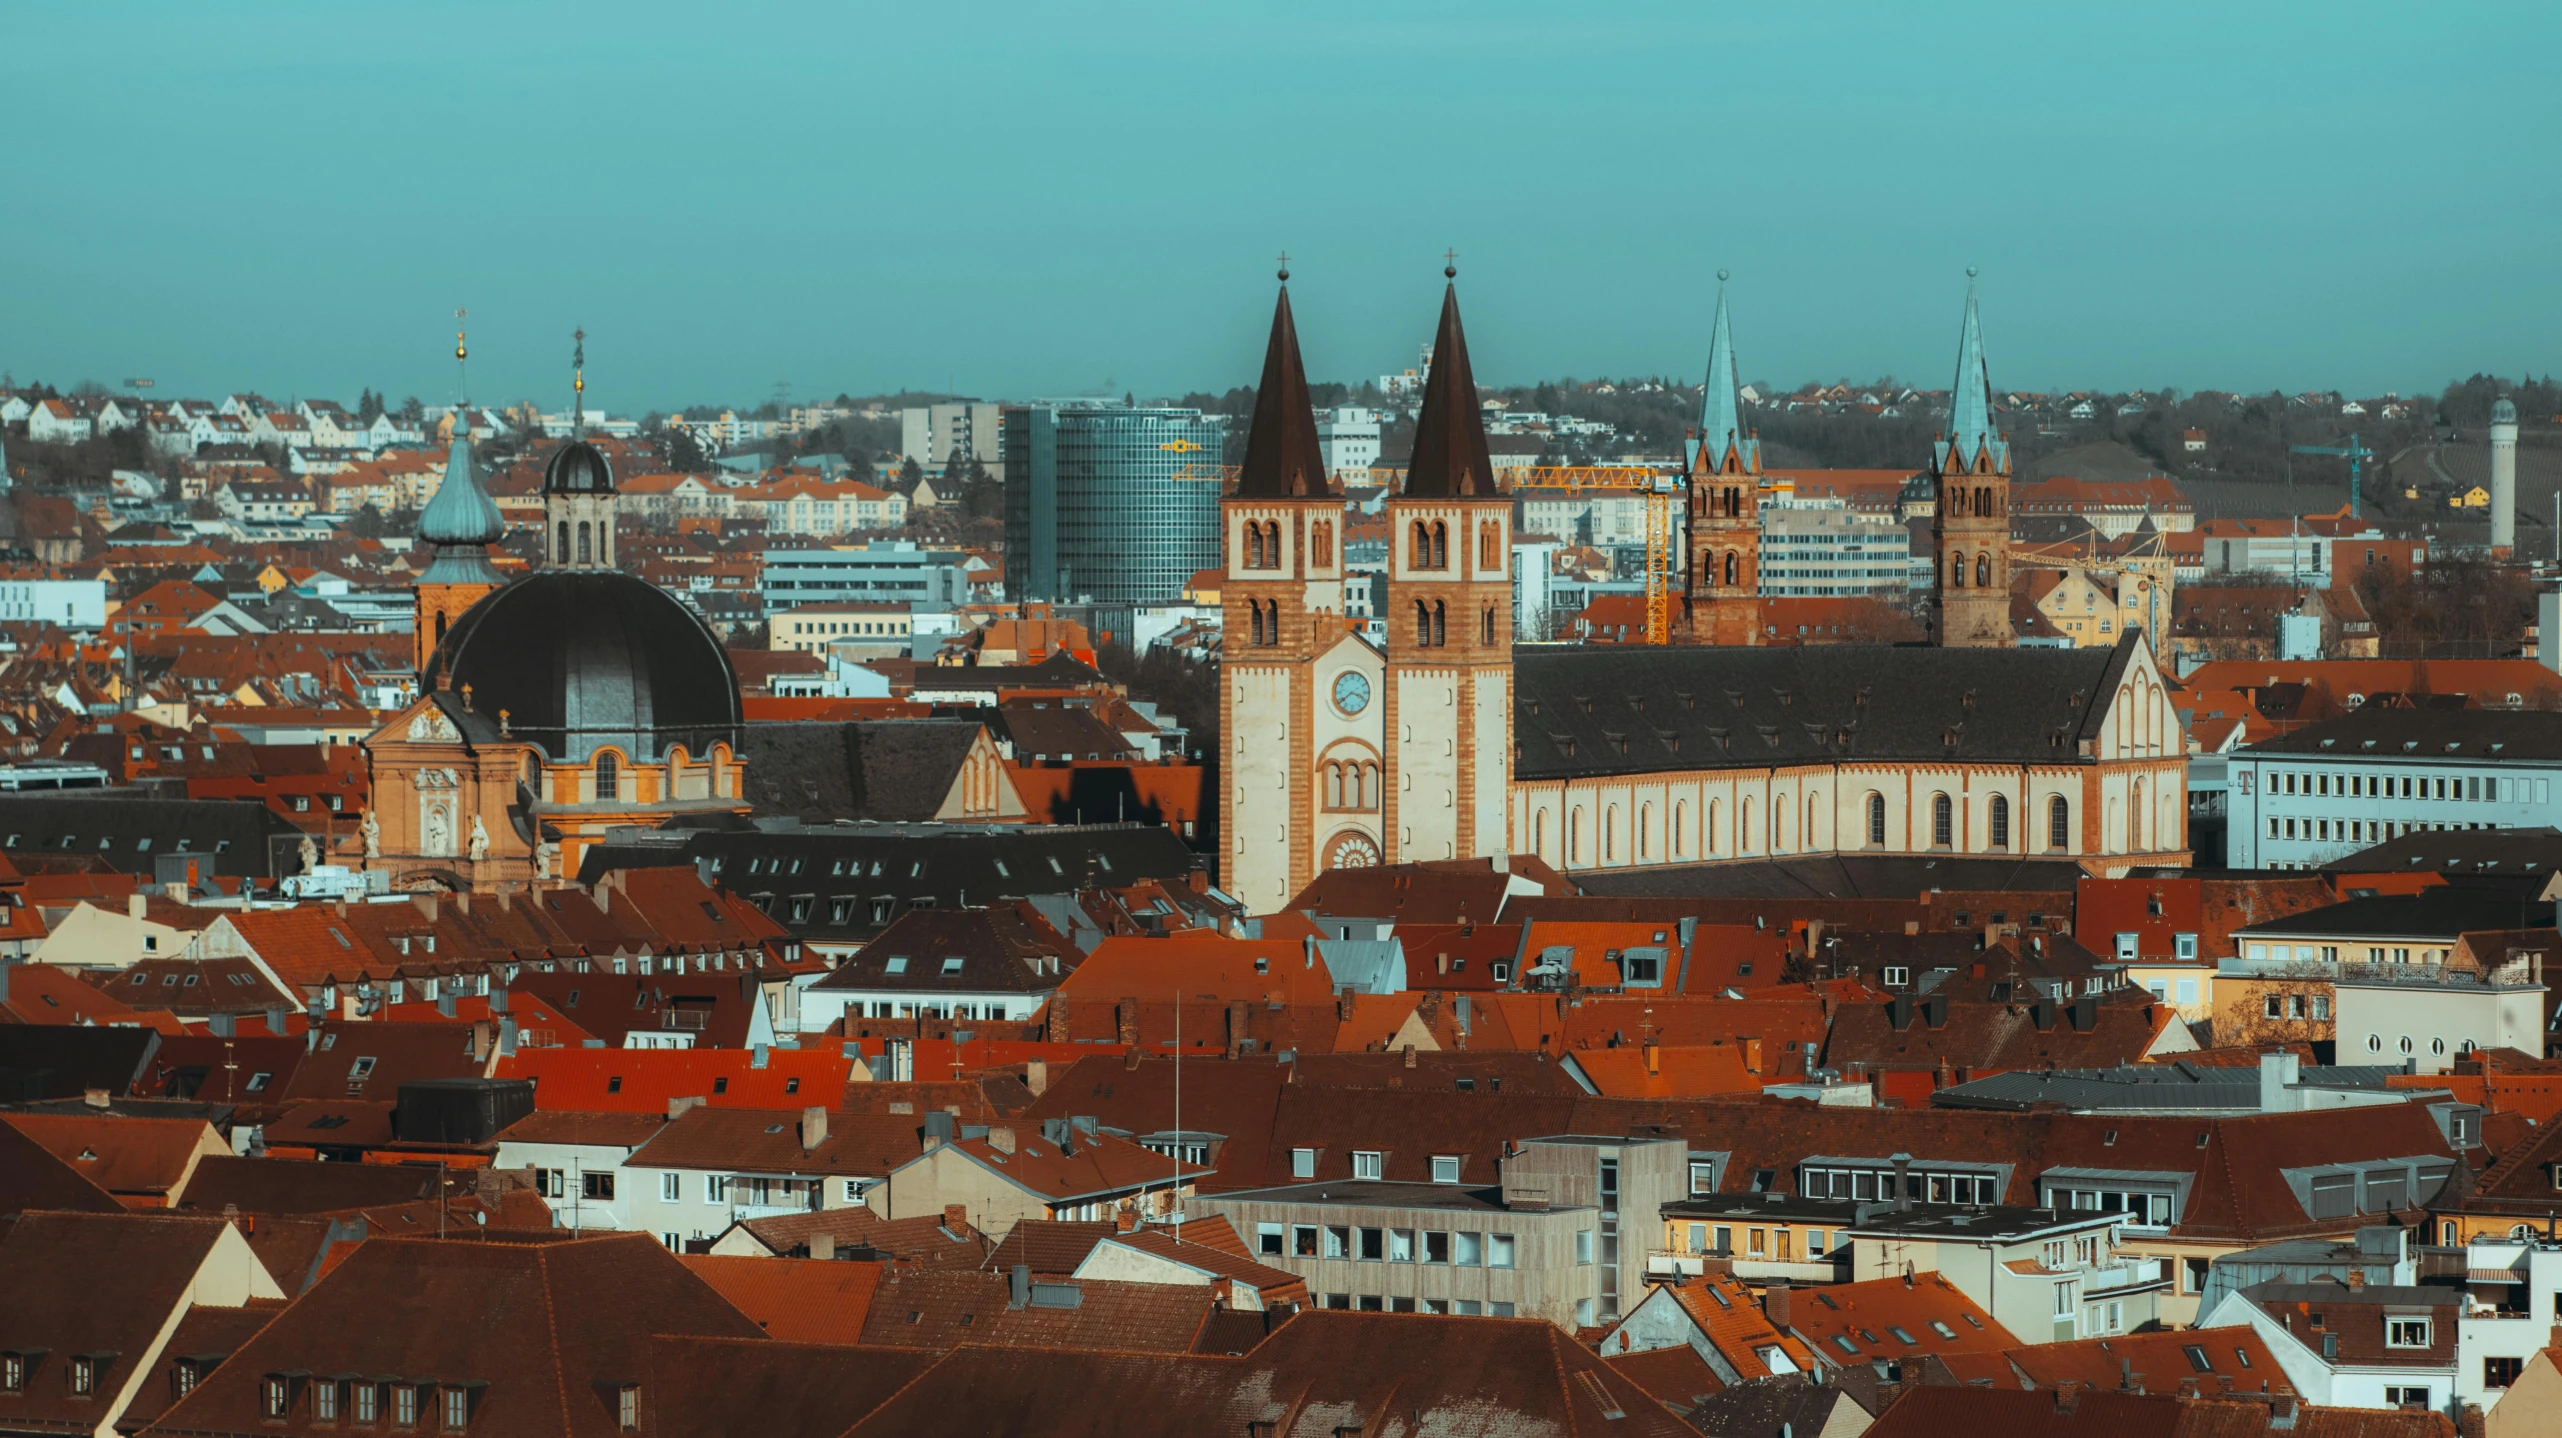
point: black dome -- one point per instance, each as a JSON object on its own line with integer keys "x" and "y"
{"x": 578, "y": 468}
{"x": 584, "y": 658}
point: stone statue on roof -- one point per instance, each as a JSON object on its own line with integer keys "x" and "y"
{"x": 546, "y": 854}
{"x": 479, "y": 840}
{"x": 373, "y": 830}
{"x": 310, "y": 855}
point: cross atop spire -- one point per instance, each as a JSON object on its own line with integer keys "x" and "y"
{"x": 1970, "y": 399}
{"x": 1283, "y": 459}
{"x": 1721, "y": 422}
{"x": 1450, "y": 459}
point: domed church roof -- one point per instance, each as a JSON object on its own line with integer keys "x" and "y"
{"x": 585, "y": 658}
{"x": 578, "y": 468}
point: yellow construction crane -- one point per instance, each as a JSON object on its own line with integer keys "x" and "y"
{"x": 1658, "y": 489}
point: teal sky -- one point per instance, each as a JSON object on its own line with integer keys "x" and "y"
{"x": 1025, "y": 199}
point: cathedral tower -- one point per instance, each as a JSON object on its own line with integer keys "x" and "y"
{"x": 1723, "y": 602}
{"x": 1283, "y": 724}
{"x": 1449, "y": 622}
{"x": 1970, "y": 535}
{"x": 578, "y": 489}
{"x": 461, "y": 522}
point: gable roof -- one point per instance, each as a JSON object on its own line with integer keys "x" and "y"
{"x": 798, "y": 1300}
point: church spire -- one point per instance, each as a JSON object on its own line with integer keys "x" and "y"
{"x": 1450, "y": 459}
{"x": 1283, "y": 459}
{"x": 1721, "y": 418}
{"x": 1970, "y": 400}
{"x": 460, "y": 520}
{"x": 578, "y": 388}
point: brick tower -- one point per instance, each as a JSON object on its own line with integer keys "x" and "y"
{"x": 1970, "y": 535}
{"x": 1722, "y": 604}
{"x": 1281, "y": 616}
{"x": 1449, "y": 620}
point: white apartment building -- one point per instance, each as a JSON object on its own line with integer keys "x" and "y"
{"x": 932, "y": 434}
{"x": 71, "y": 603}
{"x": 1349, "y": 438}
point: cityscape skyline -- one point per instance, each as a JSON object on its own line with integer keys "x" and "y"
{"x": 2204, "y": 203}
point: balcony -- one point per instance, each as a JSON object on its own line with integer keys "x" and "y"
{"x": 1671, "y": 1263}
{"x": 2125, "y": 1275}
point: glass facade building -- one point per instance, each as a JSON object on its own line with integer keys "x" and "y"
{"x": 1108, "y": 503}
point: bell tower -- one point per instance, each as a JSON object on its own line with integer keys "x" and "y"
{"x": 578, "y": 488}
{"x": 1449, "y": 621}
{"x": 1281, "y": 610}
{"x": 1723, "y": 602}
{"x": 461, "y": 522}
{"x": 1970, "y": 533}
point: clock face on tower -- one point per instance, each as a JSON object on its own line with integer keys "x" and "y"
{"x": 1351, "y": 691}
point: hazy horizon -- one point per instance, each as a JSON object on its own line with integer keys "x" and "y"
{"x": 1014, "y": 201}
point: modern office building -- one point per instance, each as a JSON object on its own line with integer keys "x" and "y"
{"x": 931, "y": 434}
{"x": 1824, "y": 547}
{"x": 2305, "y": 799}
{"x": 1108, "y": 502}
{"x": 901, "y": 573}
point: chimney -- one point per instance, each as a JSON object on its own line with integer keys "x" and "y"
{"x": 96, "y": 1097}
{"x": 1125, "y": 1221}
{"x": 2126, "y": 1377}
{"x": 1036, "y": 1076}
{"x": 1903, "y": 1163}
{"x": 823, "y": 1245}
{"x": 507, "y": 1035}
{"x": 2278, "y": 1072}
{"x": 2068, "y": 1397}
{"x": 480, "y": 1040}
{"x": 426, "y": 905}
{"x": 1126, "y": 1020}
{"x": 677, "y": 1107}
{"x": 1018, "y": 1287}
{"x": 136, "y": 905}
{"x": 956, "y": 1218}
{"x": 1410, "y": 1056}
{"x": 1310, "y": 942}
{"x": 1001, "y": 1138}
{"x": 937, "y": 1131}
{"x": 276, "y": 1022}
{"x": 1774, "y": 1306}
{"x": 447, "y": 1006}
{"x": 813, "y": 1127}
{"x": 1752, "y": 1056}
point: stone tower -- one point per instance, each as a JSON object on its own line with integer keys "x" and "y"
{"x": 1280, "y": 604}
{"x": 1970, "y": 537}
{"x": 2504, "y": 474}
{"x": 1449, "y": 625}
{"x": 1722, "y": 604}
{"x": 578, "y": 489}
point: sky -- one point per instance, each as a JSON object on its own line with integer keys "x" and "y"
{"x": 1022, "y": 200}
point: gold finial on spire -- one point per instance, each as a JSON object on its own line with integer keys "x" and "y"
{"x": 578, "y": 362}
{"x": 461, "y": 351}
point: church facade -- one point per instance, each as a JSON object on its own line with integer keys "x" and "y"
{"x": 1446, "y": 744}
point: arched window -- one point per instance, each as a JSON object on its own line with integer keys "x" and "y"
{"x": 1321, "y": 545}
{"x": 2059, "y": 824}
{"x": 1957, "y": 572}
{"x": 1539, "y": 832}
{"x": 1778, "y": 827}
{"x": 1419, "y": 547}
{"x": 1645, "y": 830}
{"x": 1369, "y": 786}
{"x": 1574, "y": 836}
{"x": 1943, "y": 821}
{"x": 1272, "y": 543}
{"x": 1811, "y": 837}
{"x": 1876, "y": 821}
{"x": 1490, "y": 546}
{"x": 1731, "y": 569}
{"x": 1422, "y": 624}
{"x": 1440, "y": 624}
{"x": 560, "y": 548}
{"x": 1997, "y": 827}
{"x": 608, "y": 776}
{"x": 1983, "y": 571}
{"x": 2135, "y": 818}
{"x": 1610, "y": 833}
{"x": 1488, "y": 637}
{"x": 1254, "y": 619}
{"x": 585, "y": 554}
{"x": 1680, "y": 828}
{"x": 1743, "y": 827}
{"x": 1440, "y": 545}
{"x": 1334, "y": 786}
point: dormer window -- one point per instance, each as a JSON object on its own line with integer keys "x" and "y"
{"x": 627, "y": 1408}
{"x": 275, "y": 1396}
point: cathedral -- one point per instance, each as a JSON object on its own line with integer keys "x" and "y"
{"x": 571, "y": 700}
{"x": 1447, "y": 744}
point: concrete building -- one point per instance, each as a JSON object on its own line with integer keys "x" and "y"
{"x": 1547, "y": 1242}
{"x": 1349, "y": 438}
{"x": 932, "y": 434}
{"x": 813, "y": 628}
{"x": 71, "y": 603}
{"x": 901, "y": 572}
{"x": 2430, "y": 1015}
{"x": 1822, "y": 547}
{"x": 2305, "y": 799}
{"x": 2049, "y": 1275}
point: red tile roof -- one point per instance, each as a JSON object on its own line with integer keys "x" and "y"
{"x": 798, "y": 1300}
{"x": 616, "y": 1080}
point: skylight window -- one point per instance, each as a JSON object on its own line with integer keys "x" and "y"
{"x": 895, "y": 964}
